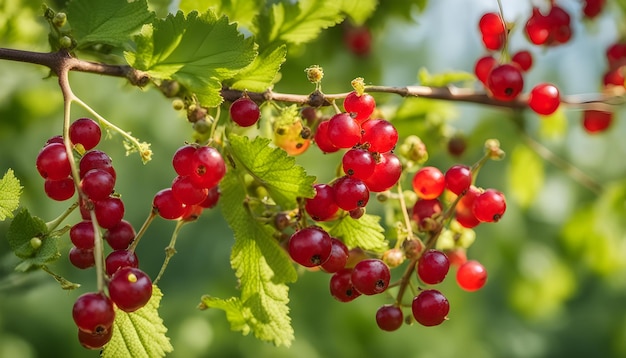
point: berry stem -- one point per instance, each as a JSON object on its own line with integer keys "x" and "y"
{"x": 405, "y": 215}
{"x": 153, "y": 214}
{"x": 142, "y": 148}
{"x": 59, "y": 219}
{"x": 170, "y": 250}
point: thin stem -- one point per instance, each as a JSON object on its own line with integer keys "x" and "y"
{"x": 405, "y": 215}
{"x": 170, "y": 250}
{"x": 406, "y": 279}
{"x": 142, "y": 230}
{"x": 142, "y": 148}
{"x": 58, "y": 220}
{"x": 571, "y": 170}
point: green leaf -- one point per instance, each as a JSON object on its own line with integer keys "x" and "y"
{"x": 198, "y": 51}
{"x": 110, "y": 22}
{"x": 241, "y": 11}
{"x": 273, "y": 168}
{"x": 366, "y": 232}
{"x": 27, "y": 237}
{"x": 234, "y": 311}
{"x": 262, "y": 73}
{"x": 526, "y": 175}
{"x": 443, "y": 79}
{"x": 359, "y": 10}
{"x": 139, "y": 334}
{"x": 261, "y": 265}
{"x": 297, "y": 22}
{"x": 10, "y": 192}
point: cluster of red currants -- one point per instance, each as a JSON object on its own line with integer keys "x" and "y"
{"x": 473, "y": 207}
{"x": 369, "y": 164}
{"x": 129, "y": 288}
{"x": 196, "y": 187}
{"x": 505, "y": 81}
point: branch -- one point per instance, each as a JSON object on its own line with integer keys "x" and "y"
{"x": 62, "y": 60}
{"x": 56, "y": 61}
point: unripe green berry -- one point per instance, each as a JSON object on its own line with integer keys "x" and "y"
{"x": 65, "y": 42}
{"x": 59, "y": 19}
{"x": 35, "y": 243}
{"x": 178, "y": 104}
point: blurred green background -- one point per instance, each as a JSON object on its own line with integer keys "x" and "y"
{"x": 557, "y": 265}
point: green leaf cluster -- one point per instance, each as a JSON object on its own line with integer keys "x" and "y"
{"x": 261, "y": 265}
{"x": 198, "y": 50}
{"x": 108, "y": 22}
{"x": 139, "y": 334}
{"x": 28, "y": 238}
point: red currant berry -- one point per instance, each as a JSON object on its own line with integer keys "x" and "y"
{"x": 341, "y": 287}
{"x": 245, "y": 112}
{"x": 338, "y": 256}
{"x": 524, "y": 59}
{"x": 596, "y": 121}
{"x": 433, "y": 267}
{"x": 182, "y": 161}
{"x": 82, "y": 235}
{"x": 505, "y": 82}
{"x": 213, "y": 196}
{"x": 592, "y": 8}
{"x": 167, "y": 205}
{"x": 616, "y": 54}
{"x": 423, "y": 210}
{"x": 310, "y": 246}
{"x": 361, "y": 107}
{"x": 322, "y": 206}
{"x": 458, "y": 179}
{"x": 544, "y": 99}
{"x": 483, "y": 66}
{"x": 494, "y": 42}
{"x": 358, "y": 163}
{"x": 457, "y": 257}
{"x": 86, "y": 132}
{"x": 471, "y": 276}
{"x": 59, "y": 190}
{"x": 389, "y": 318}
{"x": 489, "y": 206}
{"x": 463, "y": 210}
{"x": 55, "y": 139}
{"x": 95, "y": 159}
{"x": 537, "y": 28}
{"x": 130, "y": 289}
{"x": 109, "y": 211}
{"x": 81, "y": 258}
{"x": 457, "y": 145}
{"x": 97, "y": 184}
{"x": 120, "y": 236}
{"x": 323, "y": 140}
{"x": 358, "y": 40}
{"x": 119, "y": 259}
{"x": 614, "y": 77}
{"x": 430, "y": 308}
{"x": 429, "y": 183}
{"x": 491, "y": 24}
{"x": 343, "y": 131}
{"x": 208, "y": 167}
{"x": 52, "y": 162}
{"x": 186, "y": 192}
{"x": 386, "y": 173}
{"x": 379, "y": 135}
{"x": 93, "y": 313}
{"x": 94, "y": 341}
{"x": 350, "y": 193}
{"x": 370, "y": 276}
